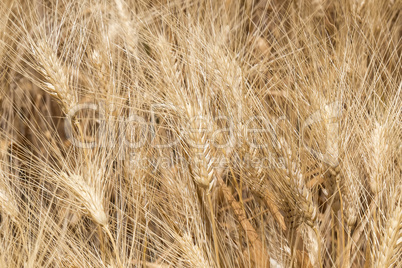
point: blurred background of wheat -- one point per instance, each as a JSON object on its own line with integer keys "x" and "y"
{"x": 211, "y": 66}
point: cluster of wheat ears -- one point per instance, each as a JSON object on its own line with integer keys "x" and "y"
{"x": 200, "y": 133}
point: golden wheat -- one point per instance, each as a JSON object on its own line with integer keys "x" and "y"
{"x": 200, "y": 134}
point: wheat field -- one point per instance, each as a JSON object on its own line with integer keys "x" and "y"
{"x": 200, "y": 133}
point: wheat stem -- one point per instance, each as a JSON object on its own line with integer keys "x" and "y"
{"x": 116, "y": 252}
{"x": 214, "y": 229}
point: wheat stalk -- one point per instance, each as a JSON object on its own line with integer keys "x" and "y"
{"x": 260, "y": 257}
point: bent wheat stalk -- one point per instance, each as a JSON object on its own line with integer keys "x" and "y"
{"x": 260, "y": 258}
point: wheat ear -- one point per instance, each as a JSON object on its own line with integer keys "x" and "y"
{"x": 392, "y": 240}
{"x": 200, "y": 160}
{"x": 8, "y": 205}
{"x": 92, "y": 201}
{"x": 56, "y": 76}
